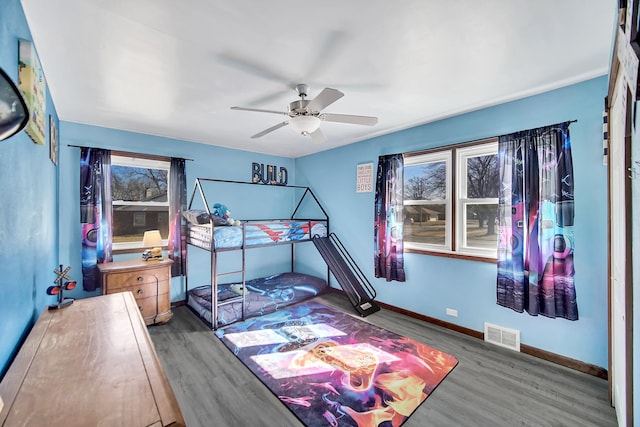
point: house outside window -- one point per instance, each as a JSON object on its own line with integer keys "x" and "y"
{"x": 451, "y": 200}
{"x": 140, "y": 194}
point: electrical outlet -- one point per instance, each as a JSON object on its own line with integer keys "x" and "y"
{"x": 452, "y": 312}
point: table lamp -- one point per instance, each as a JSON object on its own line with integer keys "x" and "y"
{"x": 153, "y": 240}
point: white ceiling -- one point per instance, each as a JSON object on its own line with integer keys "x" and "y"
{"x": 174, "y": 68}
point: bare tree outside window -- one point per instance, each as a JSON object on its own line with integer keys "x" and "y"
{"x": 138, "y": 184}
{"x": 431, "y": 184}
{"x": 483, "y": 178}
{"x": 140, "y": 202}
{"x": 425, "y": 193}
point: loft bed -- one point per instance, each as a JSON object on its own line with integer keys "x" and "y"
{"x": 220, "y": 303}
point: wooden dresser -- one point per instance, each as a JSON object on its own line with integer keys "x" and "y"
{"x": 89, "y": 364}
{"x": 149, "y": 281}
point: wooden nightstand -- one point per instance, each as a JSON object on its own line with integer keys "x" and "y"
{"x": 149, "y": 281}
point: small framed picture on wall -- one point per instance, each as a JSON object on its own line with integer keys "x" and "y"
{"x": 364, "y": 178}
{"x": 53, "y": 140}
{"x": 34, "y": 88}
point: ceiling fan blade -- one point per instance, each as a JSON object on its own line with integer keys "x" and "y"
{"x": 327, "y": 97}
{"x": 271, "y": 129}
{"x": 269, "y": 98}
{"x": 317, "y": 137}
{"x": 334, "y": 44}
{"x": 255, "y": 68}
{"x": 349, "y": 118}
{"x": 258, "y": 110}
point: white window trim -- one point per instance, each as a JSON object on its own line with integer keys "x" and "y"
{"x": 441, "y": 156}
{"x": 462, "y": 154}
{"x": 461, "y": 229}
{"x": 455, "y": 220}
{"x": 486, "y": 149}
{"x": 121, "y": 203}
{"x": 140, "y": 162}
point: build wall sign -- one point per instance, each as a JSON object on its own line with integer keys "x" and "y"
{"x": 269, "y": 174}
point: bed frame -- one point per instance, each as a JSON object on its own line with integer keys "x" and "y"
{"x": 203, "y": 236}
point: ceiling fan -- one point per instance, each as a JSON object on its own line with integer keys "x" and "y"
{"x": 305, "y": 115}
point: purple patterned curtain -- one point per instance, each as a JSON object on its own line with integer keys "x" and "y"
{"x": 535, "y": 248}
{"x": 388, "y": 217}
{"x": 95, "y": 213}
{"x": 177, "y": 224}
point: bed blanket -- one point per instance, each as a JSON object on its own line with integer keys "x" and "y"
{"x": 264, "y": 295}
{"x": 258, "y": 233}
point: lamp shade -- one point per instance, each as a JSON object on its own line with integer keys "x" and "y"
{"x": 304, "y": 124}
{"x": 151, "y": 239}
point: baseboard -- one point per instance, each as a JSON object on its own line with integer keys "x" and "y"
{"x": 568, "y": 362}
{"x": 433, "y": 320}
{"x": 577, "y": 365}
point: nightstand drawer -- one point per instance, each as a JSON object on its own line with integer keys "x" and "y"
{"x": 148, "y": 281}
{"x": 136, "y": 278}
{"x": 147, "y": 307}
{"x": 143, "y": 290}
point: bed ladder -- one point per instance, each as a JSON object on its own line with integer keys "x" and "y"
{"x": 358, "y": 289}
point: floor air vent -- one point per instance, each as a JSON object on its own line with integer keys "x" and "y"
{"x": 504, "y": 337}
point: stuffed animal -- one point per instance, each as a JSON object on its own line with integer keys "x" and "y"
{"x": 222, "y": 212}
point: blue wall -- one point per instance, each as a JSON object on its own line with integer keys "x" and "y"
{"x": 436, "y": 283}
{"x": 28, "y": 219}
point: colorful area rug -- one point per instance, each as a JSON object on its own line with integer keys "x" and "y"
{"x": 332, "y": 369}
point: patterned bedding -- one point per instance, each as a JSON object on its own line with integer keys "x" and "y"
{"x": 263, "y": 233}
{"x": 264, "y": 295}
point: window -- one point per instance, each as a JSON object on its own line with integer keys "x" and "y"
{"x": 139, "y": 189}
{"x": 427, "y": 200}
{"x": 451, "y": 200}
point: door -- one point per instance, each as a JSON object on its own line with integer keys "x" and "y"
{"x": 620, "y": 259}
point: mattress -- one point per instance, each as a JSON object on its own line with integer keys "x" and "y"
{"x": 264, "y": 295}
{"x": 268, "y": 233}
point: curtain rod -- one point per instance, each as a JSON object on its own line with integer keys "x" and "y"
{"x": 526, "y": 130}
{"x": 144, "y": 154}
{"x": 463, "y": 144}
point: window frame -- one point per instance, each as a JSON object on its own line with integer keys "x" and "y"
{"x": 146, "y": 162}
{"x": 456, "y": 189}
{"x": 434, "y": 157}
{"x": 463, "y": 199}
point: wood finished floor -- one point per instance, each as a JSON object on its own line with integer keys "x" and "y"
{"x": 490, "y": 386}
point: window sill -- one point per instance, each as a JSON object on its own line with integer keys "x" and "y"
{"x": 127, "y": 251}
{"x": 489, "y": 260}
{"x": 133, "y": 250}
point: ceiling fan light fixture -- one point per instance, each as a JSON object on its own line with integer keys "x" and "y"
{"x": 304, "y": 116}
{"x": 304, "y": 124}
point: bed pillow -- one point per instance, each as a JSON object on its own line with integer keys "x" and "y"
{"x": 199, "y": 217}
{"x": 196, "y": 216}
